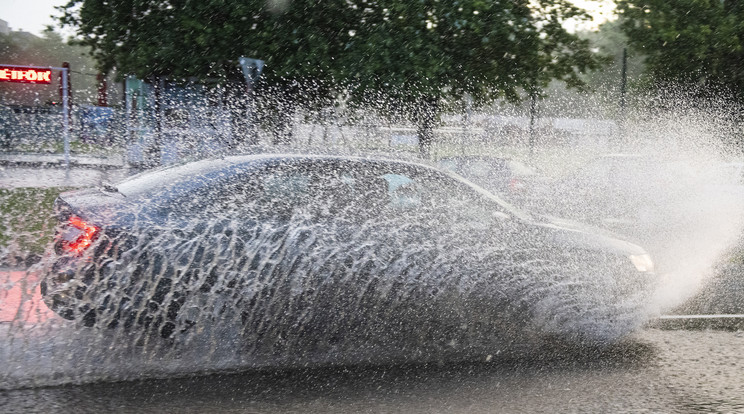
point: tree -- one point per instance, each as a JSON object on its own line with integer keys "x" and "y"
{"x": 421, "y": 52}
{"x": 610, "y": 40}
{"x": 601, "y": 96}
{"x": 408, "y": 54}
{"x": 692, "y": 43}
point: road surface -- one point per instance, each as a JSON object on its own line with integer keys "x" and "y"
{"x": 655, "y": 370}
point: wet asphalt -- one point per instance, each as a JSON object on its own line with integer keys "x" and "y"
{"x": 671, "y": 366}
{"x": 654, "y": 371}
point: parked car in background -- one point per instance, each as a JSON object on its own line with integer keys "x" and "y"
{"x": 509, "y": 178}
{"x": 618, "y": 191}
{"x": 316, "y": 254}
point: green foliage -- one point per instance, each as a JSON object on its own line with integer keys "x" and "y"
{"x": 403, "y": 56}
{"x": 427, "y": 48}
{"x": 689, "y": 42}
{"x": 610, "y": 41}
{"x": 26, "y": 221}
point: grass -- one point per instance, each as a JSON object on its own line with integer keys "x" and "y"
{"x": 26, "y": 223}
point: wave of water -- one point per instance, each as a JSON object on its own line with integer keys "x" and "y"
{"x": 225, "y": 295}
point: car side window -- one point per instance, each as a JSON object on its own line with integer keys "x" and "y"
{"x": 338, "y": 191}
{"x": 278, "y": 193}
{"x": 330, "y": 193}
{"x": 214, "y": 197}
{"x": 270, "y": 193}
{"x": 424, "y": 196}
{"x": 402, "y": 191}
{"x": 316, "y": 190}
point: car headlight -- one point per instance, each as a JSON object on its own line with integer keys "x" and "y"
{"x": 642, "y": 262}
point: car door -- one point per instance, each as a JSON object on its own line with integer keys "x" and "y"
{"x": 288, "y": 286}
{"x": 417, "y": 239}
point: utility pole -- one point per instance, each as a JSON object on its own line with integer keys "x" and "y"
{"x": 533, "y": 115}
{"x": 154, "y": 152}
{"x": 623, "y": 87}
{"x": 102, "y": 89}
{"x": 65, "y": 91}
{"x": 252, "y": 69}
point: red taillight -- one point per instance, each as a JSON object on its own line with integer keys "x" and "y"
{"x": 78, "y": 235}
{"x": 516, "y": 184}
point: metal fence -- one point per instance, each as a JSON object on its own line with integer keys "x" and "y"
{"x": 198, "y": 132}
{"x": 40, "y": 129}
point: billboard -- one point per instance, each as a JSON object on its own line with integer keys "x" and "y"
{"x": 25, "y": 74}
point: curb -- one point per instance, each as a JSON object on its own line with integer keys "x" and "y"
{"x": 725, "y": 322}
{"x": 31, "y": 160}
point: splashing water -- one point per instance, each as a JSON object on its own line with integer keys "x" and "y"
{"x": 217, "y": 295}
{"x": 228, "y": 294}
{"x": 673, "y": 186}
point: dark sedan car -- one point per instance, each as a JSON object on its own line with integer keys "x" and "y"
{"x": 322, "y": 254}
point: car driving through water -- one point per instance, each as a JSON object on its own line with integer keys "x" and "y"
{"x": 316, "y": 255}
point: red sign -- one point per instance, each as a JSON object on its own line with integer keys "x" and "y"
{"x": 25, "y": 75}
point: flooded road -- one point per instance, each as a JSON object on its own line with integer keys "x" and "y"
{"x": 665, "y": 371}
{"x": 654, "y": 370}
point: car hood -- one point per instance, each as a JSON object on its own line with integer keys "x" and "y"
{"x": 583, "y": 236}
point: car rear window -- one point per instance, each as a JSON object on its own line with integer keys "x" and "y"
{"x": 153, "y": 182}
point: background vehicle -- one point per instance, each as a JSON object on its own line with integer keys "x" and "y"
{"x": 622, "y": 192}
{"x": 509, "y": 178}
{"x": 361, "y": 256}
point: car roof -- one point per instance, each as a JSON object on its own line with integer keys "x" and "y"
{"x": 474, "y": 158}
{"x": 153, "y": 180}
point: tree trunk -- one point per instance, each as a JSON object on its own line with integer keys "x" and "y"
{"x": 284, "y": 111}
{"x": 533, "y": 114}
{"x": 426, "y": 117}
{"x": 151, "y": 155}
{"x": 236, "y": 100}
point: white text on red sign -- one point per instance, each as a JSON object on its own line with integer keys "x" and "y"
{"x": 25, "y": 75}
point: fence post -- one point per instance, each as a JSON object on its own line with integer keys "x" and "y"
{"x": 66, "y": 112}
